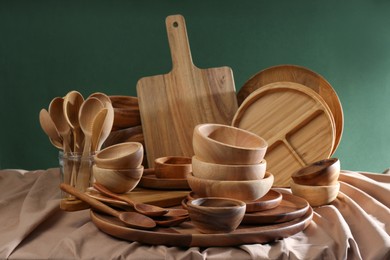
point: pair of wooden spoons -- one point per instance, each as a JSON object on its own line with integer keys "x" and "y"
{"x": 131, "y": 219}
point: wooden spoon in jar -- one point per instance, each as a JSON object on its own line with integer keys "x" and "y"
{"x": 56, "y": 111}
{"x": 131, "y": 219}
{"x": 72, "y": 103}
{"x": 50, "y": 128}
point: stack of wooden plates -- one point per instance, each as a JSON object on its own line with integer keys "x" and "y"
{"x": 297, "y": 111}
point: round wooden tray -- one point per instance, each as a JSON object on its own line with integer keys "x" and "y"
{"x": 295, "y": 121}
{"x": 186, "y": 235}
{"x": 304, "y": 76}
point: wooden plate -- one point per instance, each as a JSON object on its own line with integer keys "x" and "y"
{"x": 291, "y": 207}
{"x": 269, "y": 201}
{"x": 155, "y": 197}
{"x": 149, "y": 180}
{"x": 186, "y": 235}
{"x": 295, "y": 121}
{"x": 304, "y": 76}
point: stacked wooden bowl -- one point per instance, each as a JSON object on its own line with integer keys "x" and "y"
{"x": 317, "y": 182}
{"x": 296, "y": 111}
{"x": 228, "y": 162}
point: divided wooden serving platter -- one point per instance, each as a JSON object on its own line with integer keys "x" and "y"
{"x": 301, "y": 75}
{"x": 186, "y": 235}
{"x": 295, "y": 121}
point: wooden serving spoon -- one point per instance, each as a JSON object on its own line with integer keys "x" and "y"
{"x": 131, "y": 219}
{"x": 146, "y": 209}
{"x": 50, "y": 128}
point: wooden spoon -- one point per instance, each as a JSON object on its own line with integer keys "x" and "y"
{"x": 56, "y": 111}
{"x": 72, "y": 103}
{"x": 97, "y": 126}
{"x": 101, "y": 96}
{"x": 146, "y": 209}
{"x": 50, "y": 128}
{"x": 131, "y": 219}
{"x": 102, "y": 126}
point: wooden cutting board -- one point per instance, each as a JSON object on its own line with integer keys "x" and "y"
{"x": 304, "y": 76}
{"x": 172, "y": 104}
{"x": 295, "y": 121}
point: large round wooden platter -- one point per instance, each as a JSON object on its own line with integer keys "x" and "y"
{"x": 186, "y": 235}
{"x": 295, "y": 121}
{"x": 301, "y": 75}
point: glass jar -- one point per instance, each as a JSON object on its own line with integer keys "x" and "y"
{"x": 76, "y": 171}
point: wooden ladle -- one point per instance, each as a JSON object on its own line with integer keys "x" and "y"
{"x": 146, "y": 209}
{"x": 131, "y": 219}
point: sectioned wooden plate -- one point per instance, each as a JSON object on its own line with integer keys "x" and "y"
{"x": 295, "y": 121}
{"x": 186, "y": 235}
{"x": 301, "y": 75}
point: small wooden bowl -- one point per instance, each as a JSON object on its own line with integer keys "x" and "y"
{"x": 324, "y": 172}
{"x": 120, "y": 156}
{"x": 228, "y": 172}
{"x": 316, "y": 195}
{"x": 225, "y": 144}
{"x": 118, "y": 181}
{"x": 216, "y": 215}
{"x": 172, "y": 167}
{"x": 241, "y": 190}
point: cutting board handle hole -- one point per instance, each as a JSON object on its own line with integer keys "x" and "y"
{"x": 175, "y": 24}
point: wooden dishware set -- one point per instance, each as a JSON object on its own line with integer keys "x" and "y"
{"x": 188, "y": 136}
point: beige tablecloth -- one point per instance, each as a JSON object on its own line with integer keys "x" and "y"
{"x": 355, "y": 226}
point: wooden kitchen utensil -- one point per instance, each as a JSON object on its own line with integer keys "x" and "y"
{"x": 301, "y": 75}
{"x": 296, "y": 123}
{"x": 171, "y": 105}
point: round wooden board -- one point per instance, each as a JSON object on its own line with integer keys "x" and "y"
{"x": 304, "y": 76}
{"x": 295, "y": 121}
{"x": 186, "y": 235}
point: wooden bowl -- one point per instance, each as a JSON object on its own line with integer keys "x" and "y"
{"x": 241, "y": 190}
{"x": 316, "y": 195}
{"x": 324, "y": 172}
{"x": 172, "y": 167}
{"x": 224, "y": 144}
{"x": 118, "y": 181}
{"x": 126, "y": 111}
{"x": 228, "y": 172}
{"x": 216, "y": 215}
{"x": 120, "y": 156}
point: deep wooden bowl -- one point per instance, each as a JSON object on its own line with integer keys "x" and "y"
{"x": 316, "y": 195}
{"x": 228, "y": 172}
{"x": 118, "y": 181}
{"x": 224, "y": 144}
{"x": 241, "y": 190}
{"x": 172, "y": 167}
{"x": 120, "y": 156}
{"x": 324, "y": 172}
{"x": 216, "y": 215}
{"x": 126, "y": 112}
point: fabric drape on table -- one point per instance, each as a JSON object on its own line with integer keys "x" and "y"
{"x": 355, "y": 226}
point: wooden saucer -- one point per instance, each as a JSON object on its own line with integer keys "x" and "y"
{"x": 149, "y": 180}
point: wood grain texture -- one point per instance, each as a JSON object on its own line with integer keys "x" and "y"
{"x": 304, "y": 76}
{"x": 171, "y": 105}
{"x": 296, "y": 123}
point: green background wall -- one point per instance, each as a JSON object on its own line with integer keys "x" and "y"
{"x": 48, "y": 48}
